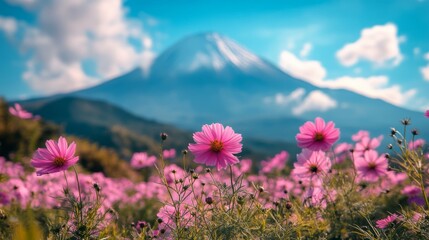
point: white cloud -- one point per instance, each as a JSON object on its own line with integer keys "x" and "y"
{"x": 282, "y": 99}
{"x": 71, "y": 33}
{"x": 416, "y": 51}
{"x": 311, "y": 71}
{"x": 8, "y": 25}
{"x": 315, "y": 101}
{"x": 306, "y": 49}
{"x": 425, "y": 72}
{"x": 372, "y": 86}
{"x": 378, "y": 44}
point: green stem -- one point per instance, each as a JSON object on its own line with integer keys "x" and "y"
{"x": 422, "y": 186}
{"x": 80, "y": 195}
{"x": 232, "y": 186}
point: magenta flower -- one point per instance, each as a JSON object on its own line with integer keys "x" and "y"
{"x": 383, "y": 223}
{"x": 318, "y": 135}
{"x": 427, "y": 113}
{"x": 370, "y": 167}
{"x": 311, "y": 164}
{"x": 18, "y": 111}
{"x": 56, "y": 157}
{"x": 216, "y": 146}
{"x": 141, "y": 160}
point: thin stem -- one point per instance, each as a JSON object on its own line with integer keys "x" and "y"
{"x": 232, "y": 186}
{"x": 80, "y": 195}
{"x": 423, "y": 191}
{"x": 67, "y": 182}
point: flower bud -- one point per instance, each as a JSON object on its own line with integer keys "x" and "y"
{"x": 164, "y": 136}
{"x": 209, "y": 200}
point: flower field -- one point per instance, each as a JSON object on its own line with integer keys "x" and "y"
{"x": 361, "y": 188}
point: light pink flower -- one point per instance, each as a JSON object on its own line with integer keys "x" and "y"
{"x": 318, "y": 135}
{"x": 366, "y": 143}
{"x": 216, "y": 146}
{"x": 169, "y": 153}
{"x": 311, "y": 164}
{"x": 416, "y": 144}
{"x": 141, "y": 160}
{"x": 359, "y": 135}
{"x": 411, "y": 190}
{"x": 383, "y": 223}
{"x": 18, "y": 111}
{"x": 319, "y": 197}
{"x": 56, "y": 157}
{"x": 370, "y": 167}
{"x": 278, "y": 162}
{"x": 341, "y": 152}
{"x": 427, "y": 113}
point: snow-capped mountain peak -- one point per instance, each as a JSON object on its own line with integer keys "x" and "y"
{"x": 208, "y": 51}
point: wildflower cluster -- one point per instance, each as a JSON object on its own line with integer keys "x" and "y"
{"x": 334, "y": 190}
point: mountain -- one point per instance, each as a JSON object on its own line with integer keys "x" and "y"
{"x": 209, "y": 78}
{"x": 112, "y": 127}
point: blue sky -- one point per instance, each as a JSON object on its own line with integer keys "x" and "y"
{"x": 54, "y": 46}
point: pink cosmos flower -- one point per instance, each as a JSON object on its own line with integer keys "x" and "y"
{"x": 383, "y": 223}
{"x": 370, "y": 167}
{"x": 359, "y": 135}
{"x": 56, "y": 157}
{"x": 318, "y": 135}
{"x": 216, "y": 146}
{"x": 278, "y": 162}
{"x": 169, "y": 153}
{"x": 18, "y": 111}
{"x": 141, "y": 160}
{"x": 366, "y": 143}
{"x": 341, "y": 152}
{"x": 427, "y": 113}
{"x": 311, "y": 164}
{"x": 416, "y": 144}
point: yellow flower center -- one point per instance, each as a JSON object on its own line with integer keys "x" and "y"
{"x": 216, "y": 146}
{"x": 59, "y": 162}
{"x": 319, "y": 137}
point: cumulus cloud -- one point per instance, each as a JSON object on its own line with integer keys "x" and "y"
{"x": 306, "y": 49}
{"x": 425, "y": 72}
{"x": 311, "y": 71}
{"x": 285, "y": 99}
{"x": 416, "y": 51}
{"x": 372, "y": 86}
{"x": 378, "y": 44}
{"x": 315, "y": 101}
{"x": 71, "y": 35}
{"x": 8, "y": 25}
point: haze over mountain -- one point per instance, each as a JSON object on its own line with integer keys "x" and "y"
{"x": 209, "y": 78}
